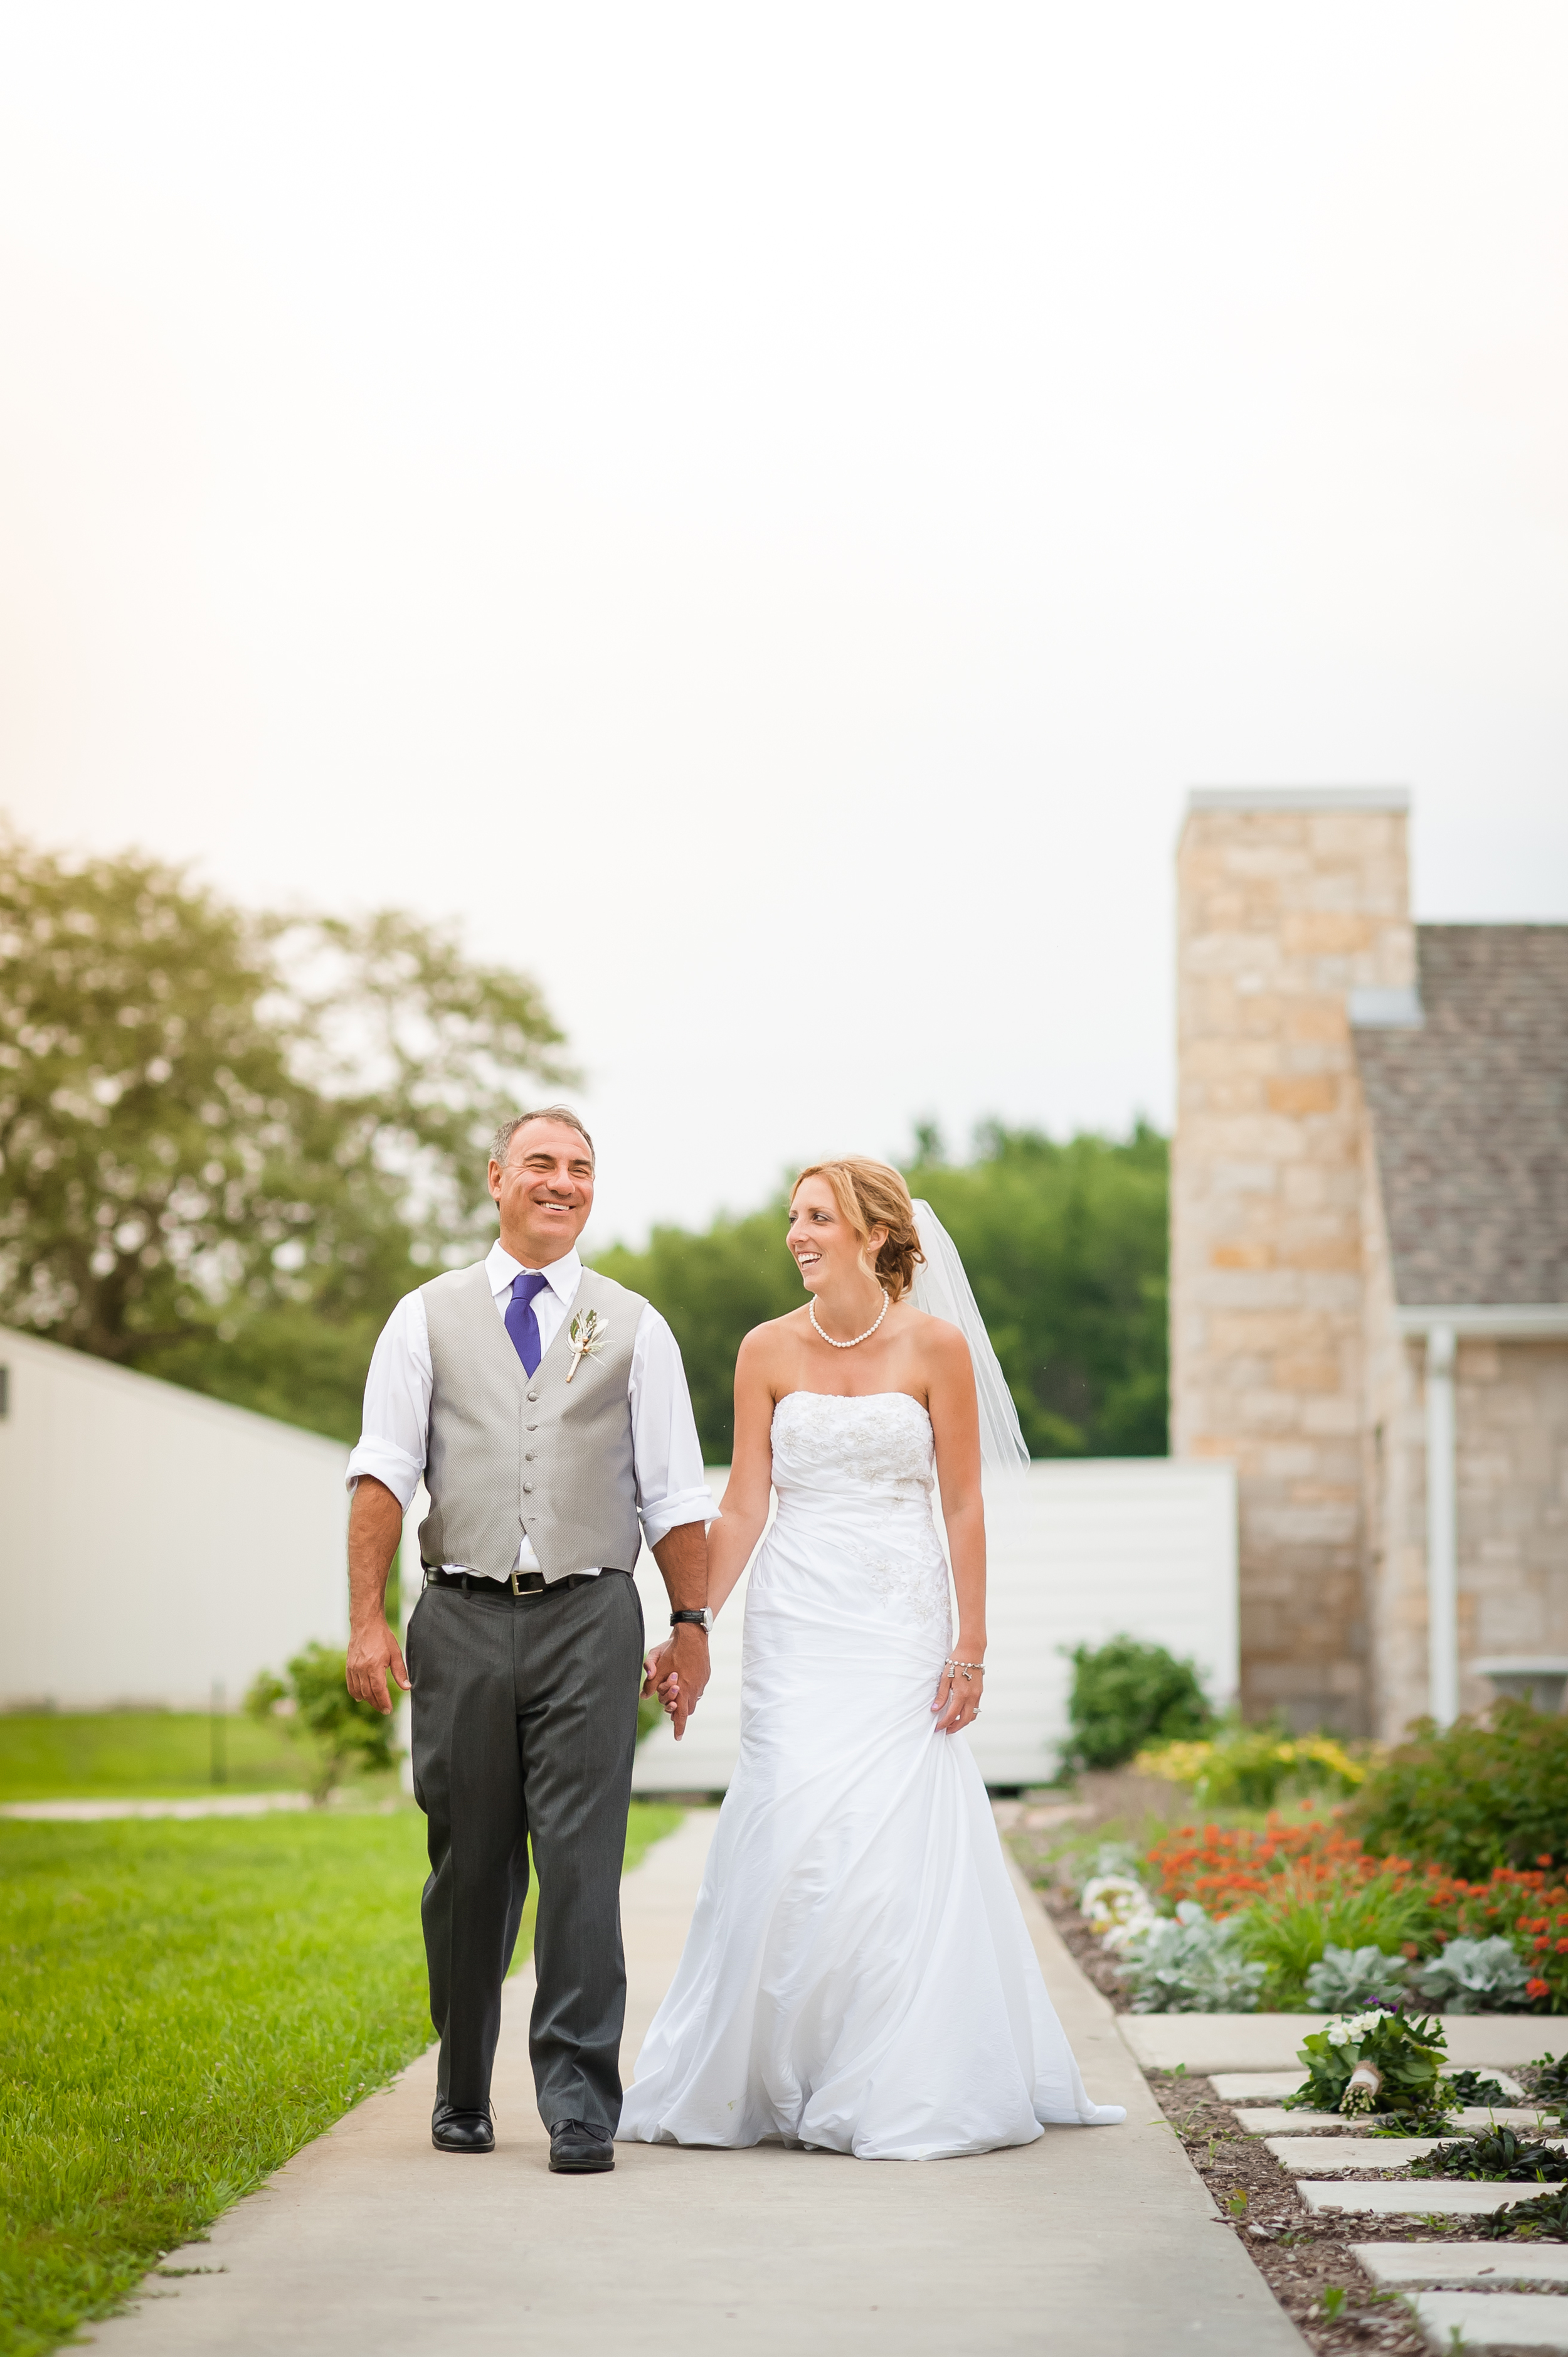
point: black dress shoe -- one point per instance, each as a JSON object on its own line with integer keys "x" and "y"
{"x": 455, "y": 2131}
{"x": 575, "y": 2149}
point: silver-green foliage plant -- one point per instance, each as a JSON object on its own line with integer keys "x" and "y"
{"x": 1344, "y": 1979}
{"x": 1473, "y": 1976}
{"x": 1192, "y": 1963}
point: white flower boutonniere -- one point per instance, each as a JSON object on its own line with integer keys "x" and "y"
{"x": 587, "y": 1335}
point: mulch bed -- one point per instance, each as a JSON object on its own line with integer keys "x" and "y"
{"x": 1302, "y": 2254}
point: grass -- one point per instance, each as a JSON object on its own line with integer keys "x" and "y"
{"x": 184, "y": 2006}
{"x": 147, "y": 1755}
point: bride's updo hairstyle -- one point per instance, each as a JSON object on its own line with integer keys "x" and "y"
{"x": 873, "y": 1194}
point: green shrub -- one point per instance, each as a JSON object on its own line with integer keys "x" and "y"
{"x": 1253, "y": 1766}
{"x": 1192, "y": 1965}
{"x": 1471, "y": 1797}
{"x": 1474, "y": 2087}
{"x": 1126, "y": 1695}
{"x": 1545, "y": 2220}
{"x": 341, "y": 1732}
{"x": 1548, "y": 2079}
{"x": 1497, "y": 2155}
{"x": 1473, "y": 1977}
{"x": 1345, "y": 1978}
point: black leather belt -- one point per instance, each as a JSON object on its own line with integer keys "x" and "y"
{"x": 519, "y": 1583}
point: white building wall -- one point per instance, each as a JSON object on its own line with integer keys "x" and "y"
{"x": 1078, "y": 1552}
{"x": 154, "y": 1542}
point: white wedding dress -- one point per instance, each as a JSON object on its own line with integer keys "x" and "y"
{"x": 857, "y": 1976}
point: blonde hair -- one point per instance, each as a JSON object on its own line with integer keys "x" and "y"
{"x": 870, "y": 1195}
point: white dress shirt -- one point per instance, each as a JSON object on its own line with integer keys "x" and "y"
{"x": 666, "y": 1458}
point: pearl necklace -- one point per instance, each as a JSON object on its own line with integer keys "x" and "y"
{"x": 854, "y": 1338}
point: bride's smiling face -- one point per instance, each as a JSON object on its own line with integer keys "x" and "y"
{"x": 828, "y": 1251}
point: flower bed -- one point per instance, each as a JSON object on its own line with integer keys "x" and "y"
{"x": 1319, "y": 1869}
{"x": 1297, "y": 1916}
{"x": 1251, "y": 1766}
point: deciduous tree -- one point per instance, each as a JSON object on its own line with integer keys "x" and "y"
{"x": 229, "y": 1141}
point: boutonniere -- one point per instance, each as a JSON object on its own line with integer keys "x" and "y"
{"x": 587, "y": 1335}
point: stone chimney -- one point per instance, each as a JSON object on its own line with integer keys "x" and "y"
{"x": 1287, "y": 900}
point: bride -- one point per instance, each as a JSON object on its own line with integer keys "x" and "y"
{"x": 858, "y": 1975}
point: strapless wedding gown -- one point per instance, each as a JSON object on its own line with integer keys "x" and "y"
{"x": 857, "y": 1976}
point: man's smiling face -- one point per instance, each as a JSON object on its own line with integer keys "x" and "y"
{"x": 545, "y": 1191}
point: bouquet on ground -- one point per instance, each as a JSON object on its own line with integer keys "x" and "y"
{"x": 1377, "y": 2063}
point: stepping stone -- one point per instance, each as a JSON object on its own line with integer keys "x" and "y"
{"x": 1249, "y": 2043}
{"x": 1351, "y": 2151}
{"x": 1255, "y": 2086}
{"x": 1266, "y": 2119}
{"x": 1402, "y": 2264}
{"x": 1435, "y": 2197}
{"x": 1499, "y": 2319}
{"x": 1271, "y": 2086}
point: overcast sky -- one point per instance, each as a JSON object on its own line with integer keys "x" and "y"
{"x": 760, "y": 513}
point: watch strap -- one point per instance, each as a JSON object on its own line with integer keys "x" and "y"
{"x": 700, "y": 1618}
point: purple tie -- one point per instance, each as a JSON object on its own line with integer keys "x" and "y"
{"x": 520, "y": 1322}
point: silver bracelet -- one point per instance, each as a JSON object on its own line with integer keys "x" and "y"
{"x": 965, "y": 1666}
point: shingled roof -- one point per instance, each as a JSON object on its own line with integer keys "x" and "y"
{"x": 1469, "y": 1113}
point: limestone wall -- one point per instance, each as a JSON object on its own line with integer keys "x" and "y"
{"x": 1286, "y": 903}
{"x": 1512, "y": 1418}
{"x": 1511, "y": 1413}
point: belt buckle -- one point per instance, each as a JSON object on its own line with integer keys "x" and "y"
{"x": 515, "y": 1588}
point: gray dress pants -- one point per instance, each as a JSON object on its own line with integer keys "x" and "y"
{"x": 524, "y": 1727}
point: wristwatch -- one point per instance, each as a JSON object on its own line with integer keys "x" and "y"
{"x": 704, "y": 1618}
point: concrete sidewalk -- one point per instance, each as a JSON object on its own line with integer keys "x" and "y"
{"x": 1099, "y": 2241}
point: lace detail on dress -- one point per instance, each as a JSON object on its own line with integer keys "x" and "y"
{"x": 884, "y": 1438}
{"x": 914, "y": 1587}
{"x": 878, "y": 1447}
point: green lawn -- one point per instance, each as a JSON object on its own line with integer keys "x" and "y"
{"x": 141, "y": 1755}
{"x": 182, "y": 2006}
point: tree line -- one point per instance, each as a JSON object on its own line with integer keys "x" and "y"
{"x": 230, "y": 1141}
{"x": 1064, "y": 1243}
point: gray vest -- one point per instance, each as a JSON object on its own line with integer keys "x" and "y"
{"x": 510, "y": 1452}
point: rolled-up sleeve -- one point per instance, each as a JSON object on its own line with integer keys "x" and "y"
{"x": 671, "y": 1486}
{"x": 395, "y": 1431}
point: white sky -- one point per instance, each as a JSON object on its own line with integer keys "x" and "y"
{"x": 761, "y": 514}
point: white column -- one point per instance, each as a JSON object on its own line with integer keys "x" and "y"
{"x": 1442, "y": 1532}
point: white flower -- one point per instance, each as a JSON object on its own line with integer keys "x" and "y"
{"x": 1350, "y": 2033}
{"x": 1110, "y": 1899}
{"x": 587, "y": 1335}
{"x": 1122, "y": 1936}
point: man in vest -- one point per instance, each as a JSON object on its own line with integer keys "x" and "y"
{"x": 546, "y": 1409}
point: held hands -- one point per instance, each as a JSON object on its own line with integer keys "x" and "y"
{"x": 958, "y": 1690}
{"x": 677, "y": 1672}
{"x": 373, "y": 1652}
